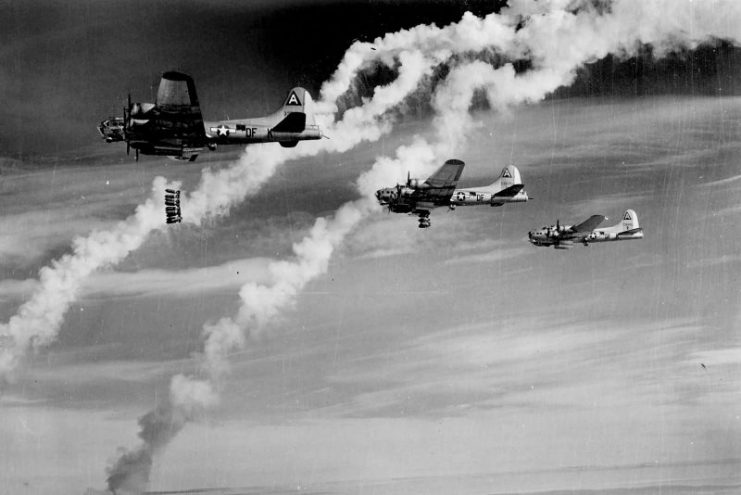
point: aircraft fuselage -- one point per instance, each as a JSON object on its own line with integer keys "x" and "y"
{"x": 481, "y": 197}
{"x": 248, "y": 132}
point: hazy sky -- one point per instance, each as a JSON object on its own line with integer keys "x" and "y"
{"x": 453, "y": 359}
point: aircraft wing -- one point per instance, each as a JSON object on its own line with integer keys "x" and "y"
{"x": 441, "y": 184}
{"x": 589, "y": 224}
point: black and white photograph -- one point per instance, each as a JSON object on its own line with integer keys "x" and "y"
{"x": 370, "y": 247}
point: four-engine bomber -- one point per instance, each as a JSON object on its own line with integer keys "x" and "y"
{"x": 439, "y": 191}
{"x": 173, "y": 125}
{"x": 564, "y": 236}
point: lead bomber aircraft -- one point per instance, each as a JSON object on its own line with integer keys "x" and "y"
{"x": 173, "y": 125}
{"x": 439, "y": 190}
{"x": 564, "y": 236}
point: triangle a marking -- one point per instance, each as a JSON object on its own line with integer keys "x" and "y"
{"x": 293, "y": 100}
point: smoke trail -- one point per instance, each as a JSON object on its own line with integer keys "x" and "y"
{"x": 37, "y": 322}
{"x": 555, "y": 37}
{"x": 130, "y": 472}
{"x": 553, "y": 64}
{"x": 262, "y": 303}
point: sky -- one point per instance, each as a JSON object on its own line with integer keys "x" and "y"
{"x": 452, "y": 359}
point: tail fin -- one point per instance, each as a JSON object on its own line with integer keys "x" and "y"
{"x": 630, "y": 220}
{"x": 296, "y": 100}
{"x": 176, "y": 90}
{"x": 510, "y": 176}
{"x": 296, "y": 112}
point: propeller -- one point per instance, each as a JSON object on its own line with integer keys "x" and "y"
{"x": 409, "y": 179}
{"x": 126, "y": 116}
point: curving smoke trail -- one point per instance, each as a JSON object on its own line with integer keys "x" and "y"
{"x": 555, "y": 37}
{"x": 38, "y": 320}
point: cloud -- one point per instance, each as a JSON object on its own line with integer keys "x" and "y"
{"x": 716, "y": 261}
{"x": 728, "y": 356}
{"x": 26, "y": 237}
{"x": 517, "y": 363}
{"x": 157, "y": 282}
{"x": 728, "y": 181}
{"x": 498, "y": 254}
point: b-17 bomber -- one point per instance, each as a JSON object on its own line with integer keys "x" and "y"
{"x": 439, "y": 190}
{"x": 173, "y": 125}
{"x": 564, "y": 236}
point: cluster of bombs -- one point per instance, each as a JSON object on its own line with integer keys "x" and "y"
{"x": 172, "y": 206}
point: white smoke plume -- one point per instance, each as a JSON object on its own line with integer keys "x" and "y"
{"x": 260, "y": 305}
{"x": 555, "y": 36}
{"x": 38, "y": 320}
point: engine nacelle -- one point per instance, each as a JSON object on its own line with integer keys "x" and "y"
{"x": 138, "y": 109}
{"x": 413, "y": 183}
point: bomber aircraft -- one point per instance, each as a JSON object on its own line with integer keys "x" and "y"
{"x": 173, "y": 125}
{"x": 438, "y": 190}
{"x": 564, "y": 236}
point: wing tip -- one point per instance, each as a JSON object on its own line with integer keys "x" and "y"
{"x": 174, "y": 75}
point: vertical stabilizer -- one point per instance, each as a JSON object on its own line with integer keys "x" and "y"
{"x": 299, "y": 100}
{"x": 510, "y": 176}
{"x": 630, "y": 220}
{"x": 176, "y": 91}
{"x": 295, "y": 115}
{"x": 295, "y": 100}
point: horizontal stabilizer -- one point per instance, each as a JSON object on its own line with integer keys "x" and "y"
{"x": 294, "y": 122}
{"x": 630, "y": 232}
{"x": 510, "y": 191}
